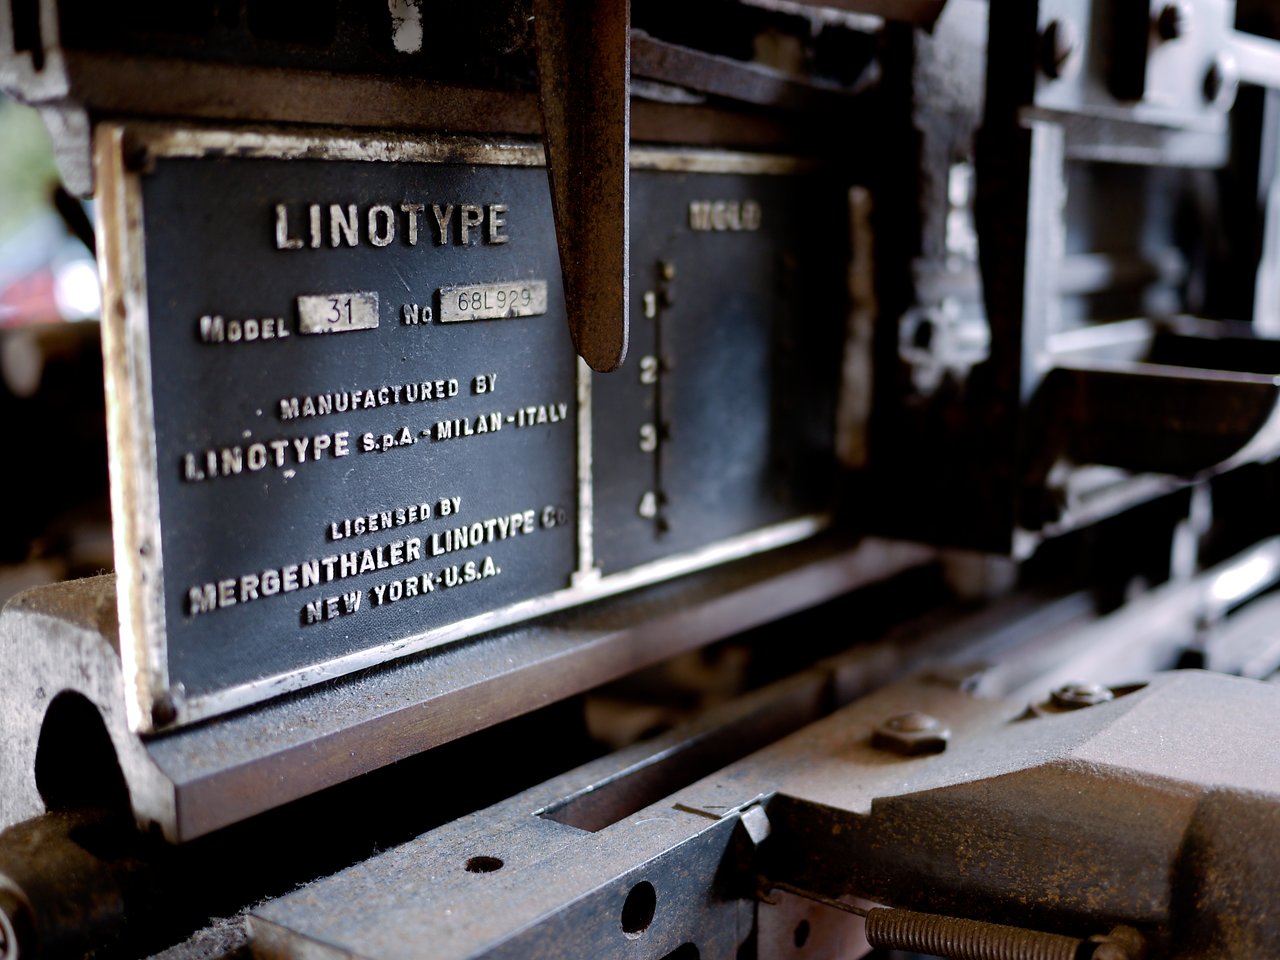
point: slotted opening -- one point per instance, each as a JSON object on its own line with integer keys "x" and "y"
{"x": 669, "y": 770}
{"x": 76, "y": 762}
{"x": 801, "y": 935}
{"x": 26, "y": 30}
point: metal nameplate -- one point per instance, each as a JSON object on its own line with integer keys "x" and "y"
{"x": 291, "y": 507}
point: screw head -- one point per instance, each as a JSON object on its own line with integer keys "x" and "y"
{"x": 1076, "y": 696}
{"x": 1058, "y": 45}
{"x": 1174, "y": 20}
{"x": 911, "y": 734}
{"x": 912, "y": 722}
{"x": 163, "y": 710}
{"x": 1222, "y": 82}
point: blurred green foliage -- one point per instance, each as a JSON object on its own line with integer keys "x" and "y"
{"x": 27, "y": 172}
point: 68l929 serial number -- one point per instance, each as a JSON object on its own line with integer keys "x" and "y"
{"x": 493, "y": 301}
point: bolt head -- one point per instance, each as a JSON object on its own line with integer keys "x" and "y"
{"x": 163, "y": 711}
{"x": 912, "y": 722}
{"x": 1075, "y": 696}
{"x": 911, "y": 734}
{"x": 1058, "y": 45}
{"x": 1174, "y": 20}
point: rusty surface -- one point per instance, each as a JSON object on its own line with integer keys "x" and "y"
{"x": 1057, "y": 823}
{"x": 584, "y": 92}
{"x": 158, "y": 87}
{"x": 1125, "y": 812}
{"x": 176, "y": 88}
{"x": 752, "y": 83}
{"x": 204, "y": 778}
{"x": 1153, "y": 418}
{"x": 1068, "y": 824}
{"x": 921, "y": 12}
{"x": 55, "y": 894}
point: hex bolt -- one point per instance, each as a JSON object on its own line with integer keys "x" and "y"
{"x": 911, "y": 734}
{"x": 1058, "y": 45}
{"x": 1174, "y": 20}
{"x": 1222, "y": 82}
{"x": 912, "y": 722}
{"x": 1076, "y": 696}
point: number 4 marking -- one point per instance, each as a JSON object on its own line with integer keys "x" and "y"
{"x": 648, "y": 505}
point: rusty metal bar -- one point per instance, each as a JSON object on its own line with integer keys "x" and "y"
{"x": 584, "y": 91}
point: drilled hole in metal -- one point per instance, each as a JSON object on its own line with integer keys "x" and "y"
{"x": 76, "y": 762}
{"x": 801, "y": 936}
{"x": 483, "y": 864}
{"x": 638, "y": 910}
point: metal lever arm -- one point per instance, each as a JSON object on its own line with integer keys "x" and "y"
{"x": 584, "y": 90}
{"x": 1257, "y": 59}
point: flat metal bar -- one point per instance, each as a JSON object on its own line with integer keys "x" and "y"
{"x": 721, "y": 76}
{"x": 257, "y": 760}
{"x": 160, "y": 87}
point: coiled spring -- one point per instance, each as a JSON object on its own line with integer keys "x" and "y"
{"x": 960, "y": 939}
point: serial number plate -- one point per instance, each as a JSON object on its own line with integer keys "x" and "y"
{"x": 329, "y": 499}
{"x": 304, "y": 506}
{"x": 338, "y": 312}
{"x": 493, "y": 301}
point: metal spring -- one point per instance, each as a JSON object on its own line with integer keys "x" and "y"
{"x": 959, "y": 939}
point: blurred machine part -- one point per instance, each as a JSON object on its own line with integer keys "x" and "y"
{"x": 603, "y": 479}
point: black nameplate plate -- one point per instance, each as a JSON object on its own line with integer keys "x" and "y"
{"x": 348, "y": 423}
